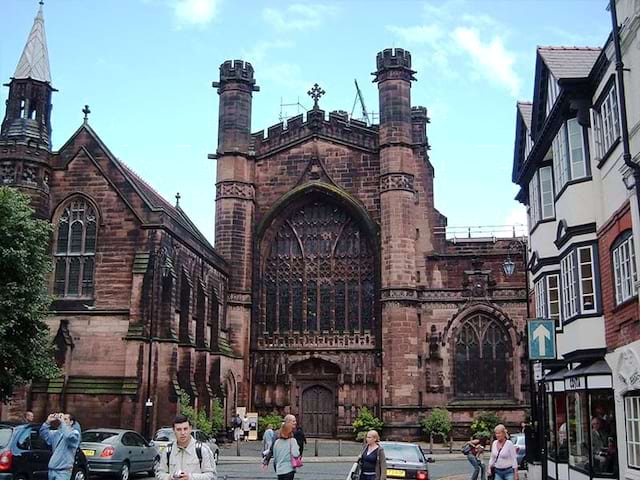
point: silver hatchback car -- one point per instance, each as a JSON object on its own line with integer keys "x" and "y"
{"x": 112, "y": 451}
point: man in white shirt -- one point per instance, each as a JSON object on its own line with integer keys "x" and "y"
{"x": 186, "y": 459}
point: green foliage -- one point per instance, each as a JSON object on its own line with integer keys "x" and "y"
{"x": 273, "y": 419}
{"x": 199, "y": 418}
{"x": 365, "y": 421}
{"x": 26, "y": 351}
{"x": 484, "y": 423}
{"x": 438, "y": 422}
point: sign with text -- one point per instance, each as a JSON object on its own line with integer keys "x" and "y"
{"x": 542, "y": 339}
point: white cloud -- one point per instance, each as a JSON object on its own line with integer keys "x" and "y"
{"x": 260, "y": 50}
{"x": 422, "y": 34}
{"x": 517, "y": 217}
{"x": 298, "y": 16}
{"x": 195, "y": 12}
{"x": 492, "y": 60}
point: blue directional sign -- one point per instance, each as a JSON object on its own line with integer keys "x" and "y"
{"x": 542, "y": 339}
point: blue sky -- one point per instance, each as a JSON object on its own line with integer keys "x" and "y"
{"x": 145, "y": 67}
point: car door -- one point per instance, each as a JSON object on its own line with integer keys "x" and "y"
{"x": 132, "y": 451}
{"x": 147, "y": 453}
{"x": 40, "y": 454}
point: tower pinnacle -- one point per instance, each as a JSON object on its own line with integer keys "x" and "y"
{"x": 34, "y": 62}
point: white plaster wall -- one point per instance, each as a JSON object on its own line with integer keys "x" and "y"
{"x": 581, "y": 334}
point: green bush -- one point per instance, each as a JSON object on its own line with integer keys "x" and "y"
{"x": 438, "y": 422}
{"x": 273, "y": 419}
{"x": 484, "y": 423}
{"x": 199, "y": 418}
{"x": 365, "y": 421}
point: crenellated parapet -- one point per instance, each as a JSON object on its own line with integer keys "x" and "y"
{"x": 393, "y": 63}
{"x": 236, "y": 72}
{"x": 338, "y": 127}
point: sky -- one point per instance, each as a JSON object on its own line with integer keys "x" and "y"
{"x": 145, "y": 68}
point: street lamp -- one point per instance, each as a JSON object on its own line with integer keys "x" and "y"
{"x": 509, "y": 268}
{"x": 156, "y": 257}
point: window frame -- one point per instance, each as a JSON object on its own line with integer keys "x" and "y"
{"x": 564, "y": 163}
{"x": 572, "y": 282}
{"x": 542, "y": 289}
{"x": 632, "y": 394}
{"x": 625, "y": 239}
{"x": 607, "y": 127}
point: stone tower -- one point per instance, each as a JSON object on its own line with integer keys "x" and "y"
{"x": 235, "y": 198}
{"x": 25, "y": 135}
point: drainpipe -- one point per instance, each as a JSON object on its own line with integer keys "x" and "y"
{"x": 626, "y": 154}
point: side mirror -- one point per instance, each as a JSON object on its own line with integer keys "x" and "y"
{"x": 431, "y": 460}
{"x": 151, "y": 443}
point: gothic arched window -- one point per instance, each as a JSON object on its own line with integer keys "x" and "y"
{"x": 75, "y": 250}
{"x": 482, "y": 359}
{"x": 319, "y": 274}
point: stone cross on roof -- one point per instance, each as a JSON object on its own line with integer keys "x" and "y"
{"x": 316, "y": 92}
{"x": 86, "y": 112}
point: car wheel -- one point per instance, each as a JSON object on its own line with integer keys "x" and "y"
{"x": 124, "y": 471}
{"x": 156, "y": 464}
{"x": 80, "y": 475}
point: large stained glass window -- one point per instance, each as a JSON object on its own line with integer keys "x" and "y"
{"x": 482, "y": 359}
{"x": 75, "y": 250}
{"x": 319, "y": 273}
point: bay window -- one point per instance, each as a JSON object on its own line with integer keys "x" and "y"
{"x": 569, "y": 155}
{"x": 607, "y": 121}
{"x": 578, "y": 282}
{"x": 547, "y": 298}
{"x": 541, "y": 196}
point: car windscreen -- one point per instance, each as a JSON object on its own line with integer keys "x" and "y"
{"x": 99, "y": 437}
{"x": 5, "y": 436}
{"x": 165, "y": 435}
{"x": 517, "y": 439}
{"x": 407, "y": 453}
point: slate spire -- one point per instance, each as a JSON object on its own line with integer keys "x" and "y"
{"x": 34, "y": 62}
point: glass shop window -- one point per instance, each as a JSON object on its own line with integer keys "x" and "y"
{"x": 578, "y": 430}
{"x": 604, "y": 447}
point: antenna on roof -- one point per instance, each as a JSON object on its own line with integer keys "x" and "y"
{"x": 284, "y": 116}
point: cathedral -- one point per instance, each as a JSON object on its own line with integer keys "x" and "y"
{"x": 332, "y": 284}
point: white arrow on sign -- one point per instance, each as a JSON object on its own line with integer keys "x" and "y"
{"x": 542, "y": 335}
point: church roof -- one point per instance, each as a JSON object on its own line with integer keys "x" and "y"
{"x": 34, "y": 62}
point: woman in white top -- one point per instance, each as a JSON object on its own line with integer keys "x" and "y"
{"x": 503, "y": 462}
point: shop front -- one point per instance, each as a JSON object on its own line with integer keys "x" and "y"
{"x": 580, "y": 423}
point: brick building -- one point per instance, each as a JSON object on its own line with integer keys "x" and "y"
{"x": 332, "y": 284}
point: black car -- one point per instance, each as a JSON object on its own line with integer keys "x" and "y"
{"x": 25, "y": 455}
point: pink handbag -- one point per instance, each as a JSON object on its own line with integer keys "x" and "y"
{"x": 296, "y": 462}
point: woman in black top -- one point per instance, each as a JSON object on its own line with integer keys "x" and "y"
{"x": 372, "y": 461}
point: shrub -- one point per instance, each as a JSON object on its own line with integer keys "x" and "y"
{"x": 365, "y": 421}
{"x": 199, "y": 418}
{"x": 484, "y": 423}
{"x": 438, "y": 422}
{"x": 273, "y": 419}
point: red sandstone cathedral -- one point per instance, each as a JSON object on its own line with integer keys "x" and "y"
{"x": 331, "y": 284}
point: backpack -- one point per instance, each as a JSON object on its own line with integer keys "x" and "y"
{"x": 198, "y": 452}
{"x": 236, "y": 422}
{"x": 466, "y": 450}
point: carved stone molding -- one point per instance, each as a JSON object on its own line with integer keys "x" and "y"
{"x": 396, "y": 181}
{"x": 231, "y": 189}
{"x": 239, "y": 299}
{"x": 399, "y": 294}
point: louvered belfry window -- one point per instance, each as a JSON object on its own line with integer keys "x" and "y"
{"x": 482, "y": 359}
{"x": 319, "y": 274}
{"x": 75, "y": 250}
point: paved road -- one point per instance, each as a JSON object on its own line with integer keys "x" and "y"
{"x": 323, "y": 471}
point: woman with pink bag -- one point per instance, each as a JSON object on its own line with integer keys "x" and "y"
{"x": 285, "y": 451}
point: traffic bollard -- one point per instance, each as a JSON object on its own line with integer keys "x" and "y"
{"x": 237, "y": 448}
{"x": 316, "y": 447}
{"x": 339, "y": 448}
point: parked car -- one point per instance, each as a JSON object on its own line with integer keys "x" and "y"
{"x": 165, "y": 436}
{"x": 112, "y": 451}
{"x": 404, "y": 460}
{"x": 518, "y": 439}
{"x": 24, "y": 454}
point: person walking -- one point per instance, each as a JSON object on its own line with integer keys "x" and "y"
{"x": 267, "y": 439}
{"x": 62, "y": 434}
{"x": 298, "y": 434}
{"x": 372, "y": 461}
{"x": 284, "y": 451}
{"x": 504, "y": 459}
{"x": 187, "y": 459}
{"x": 246, "y": 426}
{"x": 474, "y": 449}
{"x": 236, "y": 423}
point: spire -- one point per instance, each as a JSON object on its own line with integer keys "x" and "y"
{"x": 34, "y": 62}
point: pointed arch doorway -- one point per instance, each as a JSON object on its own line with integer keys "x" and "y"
{"x": 316, "y": 380}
